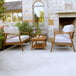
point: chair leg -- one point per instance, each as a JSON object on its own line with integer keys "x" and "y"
{"x": 73, "y": 47}
{"x": 22, "y": 47}
{"x": 52, "y": 47}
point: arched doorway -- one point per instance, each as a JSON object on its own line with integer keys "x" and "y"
{"x": 38, "y": 13}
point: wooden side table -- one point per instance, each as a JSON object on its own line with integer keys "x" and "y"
{"x": 38, "y": 42}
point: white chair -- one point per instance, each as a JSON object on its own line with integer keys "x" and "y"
{"x": 64, "y": 37}
{"x": 13, "y": 36}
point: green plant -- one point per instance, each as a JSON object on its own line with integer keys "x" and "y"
{"x": 1, "y": 37}
{"x": 2, "y": 9}
{"x": 1, "y": 41}
{"x": 37, "y": 29}
{"x": 24, "y": 27}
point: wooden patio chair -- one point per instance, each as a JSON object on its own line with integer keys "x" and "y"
{"x": 13, "y": 36}
{"x": 64, "y": 37}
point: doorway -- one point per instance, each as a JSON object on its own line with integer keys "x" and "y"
{"x": 38, "y": 14}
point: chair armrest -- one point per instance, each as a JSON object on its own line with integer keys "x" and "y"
{"x": 12, "y": 36}
{"x": 61, "y": 32}
{"x": 58, "y": 32}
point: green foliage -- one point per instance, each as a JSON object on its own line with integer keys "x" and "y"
{"x": 20, "y": 18}
{"x": 24, "y": 27}
{"x": 1, "y": 34}
{"x": 15, "y": 19}
{"x": 1, "y": 40}
{"x": 38, "y": 31}
{"x": 41, "y": 18}
{"x": 0, "y": 44}
{"x": 36, "y": 19}
{"x": 36, "y": 25}
{"x": 2, "y": 9}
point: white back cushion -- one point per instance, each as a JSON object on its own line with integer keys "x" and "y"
{"x": 68, "y": 28}
{"x": 11, "y": 30}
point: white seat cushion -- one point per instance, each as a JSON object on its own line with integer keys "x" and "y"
{"x": 62, "y": 39}
{"x": 16, "y": 39}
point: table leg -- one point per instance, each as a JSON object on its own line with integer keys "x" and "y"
{"x": 31, "y": 45}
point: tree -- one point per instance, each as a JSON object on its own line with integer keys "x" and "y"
{"x": 2, "y": 9}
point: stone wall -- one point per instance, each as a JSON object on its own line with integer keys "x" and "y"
{"x": 52, "y": 11}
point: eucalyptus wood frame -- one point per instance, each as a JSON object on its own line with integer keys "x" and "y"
{"x": 15, "y": 43}
{"x": 57, "y": 43}
{"x": 38, "y": 45}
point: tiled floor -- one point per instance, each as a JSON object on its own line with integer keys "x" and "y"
{"x": 37, "y": 62}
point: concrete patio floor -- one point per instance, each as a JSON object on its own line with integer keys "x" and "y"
{"x": 38, "y": 62}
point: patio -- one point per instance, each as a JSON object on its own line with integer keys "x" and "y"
{"x": 38, "y": 18}
{"x": 37, "y": 62}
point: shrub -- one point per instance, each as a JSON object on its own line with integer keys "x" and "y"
{"x": 24, "y": 27}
